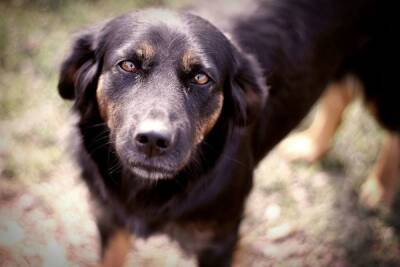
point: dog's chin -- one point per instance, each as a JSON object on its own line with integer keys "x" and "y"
{"x": 151, "y": 173}
{"x": 154, "y": 169}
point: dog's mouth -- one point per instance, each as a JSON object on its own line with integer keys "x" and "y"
{"x": 151, "y": 172}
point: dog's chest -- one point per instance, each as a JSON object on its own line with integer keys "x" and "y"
{"x": 191, "y": 236}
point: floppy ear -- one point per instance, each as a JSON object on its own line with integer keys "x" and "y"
{"x": 80, "y": 67}
{"x": 248, "y": 90}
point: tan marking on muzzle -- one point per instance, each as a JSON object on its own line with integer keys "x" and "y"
{"x": 101, "y": 100}
{"x": 207, "y": 124}
{"x": 106, "y": 108}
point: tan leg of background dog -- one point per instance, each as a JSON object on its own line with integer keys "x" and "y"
{"x": 311, "y": 144}
{"x": 382, "y": 184}
{"x": 117, "y": 249}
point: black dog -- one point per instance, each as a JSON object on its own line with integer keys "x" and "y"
{"x": 174, "y": 116}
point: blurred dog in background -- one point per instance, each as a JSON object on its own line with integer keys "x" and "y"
{"x": 381, "y": 186}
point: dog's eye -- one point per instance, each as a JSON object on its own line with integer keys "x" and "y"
{"x": 200, "y": 78}
{"x": 128, "y": 66}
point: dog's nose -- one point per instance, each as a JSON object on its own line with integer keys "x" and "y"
{"x": 153, "y": 138}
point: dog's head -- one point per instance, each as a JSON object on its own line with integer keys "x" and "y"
{"x": 160, "y": 81}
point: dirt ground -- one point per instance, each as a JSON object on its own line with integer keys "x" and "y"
{"x": 297, "y": 214}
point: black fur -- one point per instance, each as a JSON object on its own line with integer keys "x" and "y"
{"x": 303, "y": 45}
{"x": 299, "y": 45}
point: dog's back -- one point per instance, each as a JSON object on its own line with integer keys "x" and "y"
{"x": 303, "y": 45}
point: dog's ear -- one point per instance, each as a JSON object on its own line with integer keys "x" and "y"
{"x": 248, "y": 90}
{"x": 81, "y": 65}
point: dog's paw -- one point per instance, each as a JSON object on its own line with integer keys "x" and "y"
{"x": 302, "y": 146}
{"x": 374, "y": 195}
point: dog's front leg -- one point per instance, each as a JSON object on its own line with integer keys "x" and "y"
{"x": 117, "y": 249}
{"x": 382, "y": 184}
{"x": 219, "y": 253}
{"x": 115, "y": 242}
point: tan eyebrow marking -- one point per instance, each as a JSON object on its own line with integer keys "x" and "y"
{"x": 145, "y": 51}
{"x": 189, "y": 59}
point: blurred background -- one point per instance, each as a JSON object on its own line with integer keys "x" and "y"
{"x": 297, "y": 215}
